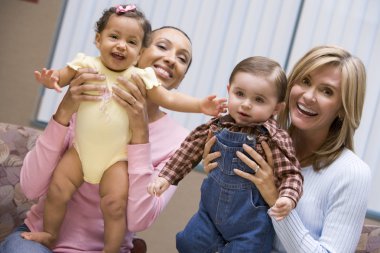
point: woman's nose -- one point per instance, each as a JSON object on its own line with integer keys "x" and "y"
{"x": 169, "y": 58}
{"x": 309, "y": 95}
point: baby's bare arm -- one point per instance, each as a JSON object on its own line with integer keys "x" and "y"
{"x": 177, "y": 101}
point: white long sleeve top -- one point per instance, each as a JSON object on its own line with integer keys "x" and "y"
{"x": 330, "y": 214}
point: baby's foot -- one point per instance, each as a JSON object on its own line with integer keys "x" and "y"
{"x": 44, "y": 238}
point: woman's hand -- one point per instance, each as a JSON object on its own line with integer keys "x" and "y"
{"x": 134, "y": 102}
{"x": 208, "y": 165}
{"x": 263, "y": 178}
{"x": 78, "y": 92}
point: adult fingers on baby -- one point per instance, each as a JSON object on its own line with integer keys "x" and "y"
{"x": 245, "y": 175}
{"x": 125, "y": 98}
{"x": 208, "y": 157}
{"x": 208, "y": 164}
{"x": 136, "y": 88}
{"x": 121, "y": 101}
{"x": 82, "y": 71}
{"x": 257, "y": 159}
{"x": 208, "y": 167}
{"x": 209, "y": 142}
{"x": 211, "y": 139}
{"x": 139, "y": 83}
{"x": 90, "y": 92}
{"x": 249, "y": 161}
{"x": 264, "y": 173}
{"x": 268, "y": 153}
{"x": 86, "y": 75}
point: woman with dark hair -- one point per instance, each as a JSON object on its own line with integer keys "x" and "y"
{"x": 151, "y": 145}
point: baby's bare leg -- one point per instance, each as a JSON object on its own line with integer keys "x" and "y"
{"x": 67, "y": 178}
{"x": 114, "y": 196}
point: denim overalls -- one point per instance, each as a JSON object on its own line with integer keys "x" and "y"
{"x": 232, "y": 215}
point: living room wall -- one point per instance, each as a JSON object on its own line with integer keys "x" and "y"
{"x": 27, "y": 30}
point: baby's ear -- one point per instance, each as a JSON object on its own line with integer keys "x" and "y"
{"x": 97, "y": 40}
{"x": 279, "y": 107}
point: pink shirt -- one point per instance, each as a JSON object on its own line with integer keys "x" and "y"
{"x": 83, "y": 227}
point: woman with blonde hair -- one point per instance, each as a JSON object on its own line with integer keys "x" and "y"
{"x": 324, "y": 103}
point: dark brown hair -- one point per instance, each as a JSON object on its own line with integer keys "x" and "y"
{"x": 135, "y": 14}
{"x": 264, "y": 67}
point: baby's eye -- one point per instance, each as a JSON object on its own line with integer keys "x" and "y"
{"x": 132, "y": 42}
{"x": 259, "y": 100}
{"x": 240, "y": 94}
{"x": 114, "y": 36}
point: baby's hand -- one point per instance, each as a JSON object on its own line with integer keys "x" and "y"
{"x": 49, "y": 78}
{"x": 213, "y": 106}
{"x": 281, "y": 208}
{"x": 158, "y": 186}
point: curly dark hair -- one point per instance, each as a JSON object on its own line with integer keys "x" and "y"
{"x": 135, "y": 14}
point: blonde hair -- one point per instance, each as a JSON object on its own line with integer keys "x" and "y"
{"x": 353, "y": 85}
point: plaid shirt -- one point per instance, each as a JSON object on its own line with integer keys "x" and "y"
{"x": 288, "y": 177}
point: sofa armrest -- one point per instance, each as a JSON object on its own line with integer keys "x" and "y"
{"x": 15, "y": 142}
{"x": 369, "y": 240}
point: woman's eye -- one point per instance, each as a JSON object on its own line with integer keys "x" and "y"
{"x": 160, "y": 46}
{"x": 183, "y": 59}
{"x": 328, "y": 92}
{"x": 305, "y": 81}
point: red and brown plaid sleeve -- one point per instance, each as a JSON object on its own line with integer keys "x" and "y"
{"x": 287, "y": 169}
{"x": 187, "y": 156}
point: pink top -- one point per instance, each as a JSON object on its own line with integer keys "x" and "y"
{"x": 82, "y": 229}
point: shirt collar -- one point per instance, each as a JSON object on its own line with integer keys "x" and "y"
{"x": 270, "y": 125}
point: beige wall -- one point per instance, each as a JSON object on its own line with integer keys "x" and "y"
{"x": 27, "y": 32}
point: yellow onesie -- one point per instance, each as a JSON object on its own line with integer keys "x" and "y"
{"x": 102, "y": 128}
